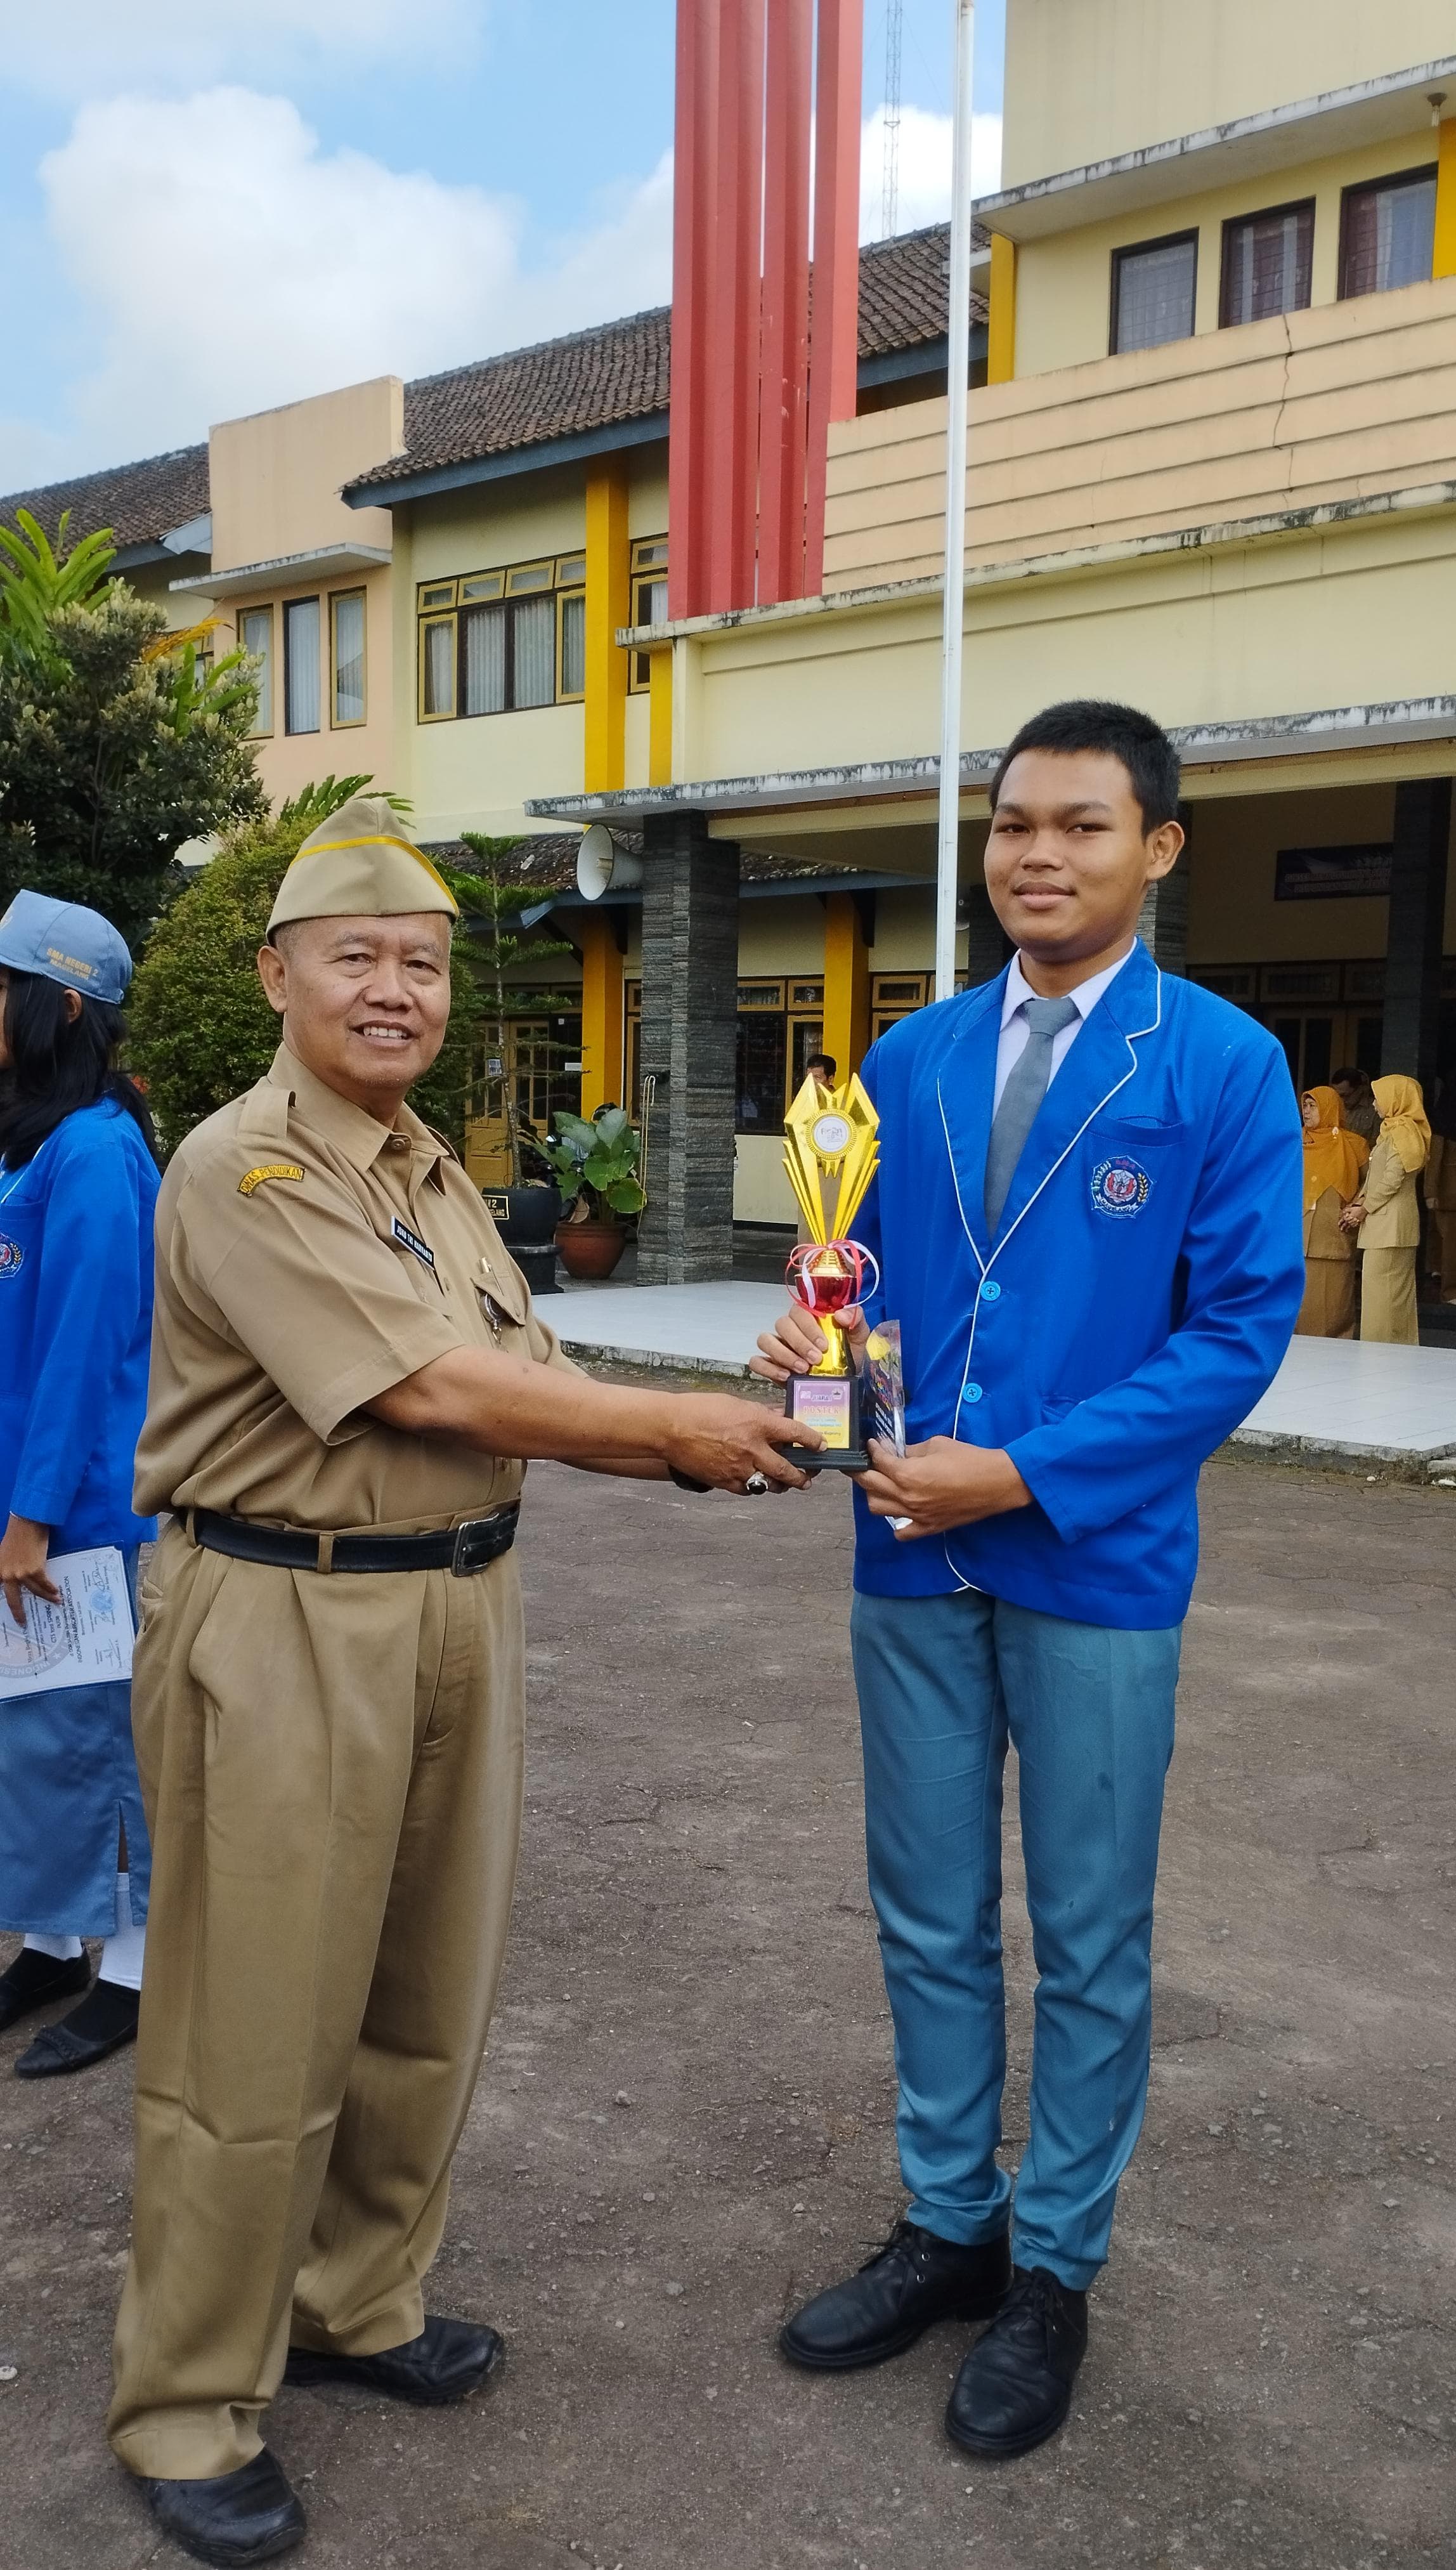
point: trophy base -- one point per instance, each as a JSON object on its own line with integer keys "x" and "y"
{"x": 829, "y": 1402}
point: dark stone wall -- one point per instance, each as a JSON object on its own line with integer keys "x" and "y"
{"x": 689, "y": 1045}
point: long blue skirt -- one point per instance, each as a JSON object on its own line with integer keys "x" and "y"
{"x": 68, "y": 1787}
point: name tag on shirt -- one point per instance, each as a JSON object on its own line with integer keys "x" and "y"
{"x": 411, "y": 1240}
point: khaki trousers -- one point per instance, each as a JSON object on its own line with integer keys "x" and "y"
{"x": 332, "y": 1774}
{"x": 1388, "y": 1297}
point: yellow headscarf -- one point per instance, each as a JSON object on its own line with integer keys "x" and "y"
{"x": 1404, "y": 1119}
{"x": 1332, "y": 1157}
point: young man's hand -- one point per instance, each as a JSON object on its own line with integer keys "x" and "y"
{"x": 941, "y": 1485}
{"x": 796, "y": 1341}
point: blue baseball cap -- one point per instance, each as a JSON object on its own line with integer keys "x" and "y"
{"x": 65, "y": 942}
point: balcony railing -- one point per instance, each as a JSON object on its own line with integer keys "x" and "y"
{"x": 1343, "y": 404}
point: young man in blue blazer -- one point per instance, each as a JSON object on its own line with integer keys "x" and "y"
{"x": 1087, "y": 1218}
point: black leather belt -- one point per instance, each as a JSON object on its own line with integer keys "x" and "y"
{"x": 463, "y": 1548}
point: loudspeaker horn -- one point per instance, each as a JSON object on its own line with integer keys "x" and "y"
{"x": 602, "y": 865}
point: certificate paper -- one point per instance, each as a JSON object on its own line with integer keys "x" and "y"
{"x": 85, "y": 1641}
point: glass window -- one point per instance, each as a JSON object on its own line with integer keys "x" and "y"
{"x": 649, "y": 607}
{"x": 437, "y": 667}
{"x": 763, "y": 1045}
{"x": 1267, "y": 265}
{"x": 533, "y": 652}
{"x": 1387, "y": 234}
{"x": 528, "y": 576}
{"x": 348, "y": 623}
{"x": 482, "y": 678}
{"x": 1153, "y": 291}
{"x": 255, "y": 636}
{"x": 573, "y": 646}
{"x": 302, "y": 706}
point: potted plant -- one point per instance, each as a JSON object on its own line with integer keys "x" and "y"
{"x": 597, "y": 1167}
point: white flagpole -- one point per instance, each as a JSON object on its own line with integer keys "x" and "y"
{"x": 953, "y": 609}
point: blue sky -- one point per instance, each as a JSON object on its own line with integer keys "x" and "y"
{"x": 204, "y": 212}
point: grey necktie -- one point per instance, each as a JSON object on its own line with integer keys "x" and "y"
{"x": 1021, "y": 1099}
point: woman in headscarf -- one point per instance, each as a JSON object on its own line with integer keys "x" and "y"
{"x": 1385, "y": 1216}
{"x": 1334, "y": 1163}
{"x": 78, "y": 1187}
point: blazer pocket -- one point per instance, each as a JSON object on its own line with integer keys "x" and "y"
{"x": 1137, "y": 1132}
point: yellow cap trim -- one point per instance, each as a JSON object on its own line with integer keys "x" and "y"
{"x": 376, "y": 839}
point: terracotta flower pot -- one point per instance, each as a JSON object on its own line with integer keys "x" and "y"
{"x": 589, "y": 1248}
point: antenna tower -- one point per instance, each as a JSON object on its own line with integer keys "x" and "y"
{"x": 890, "y": 197}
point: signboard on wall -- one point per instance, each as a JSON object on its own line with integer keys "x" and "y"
{"x": 1355, "y": 873}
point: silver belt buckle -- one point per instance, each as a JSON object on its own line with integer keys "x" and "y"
{"x": 459, "y": 1568}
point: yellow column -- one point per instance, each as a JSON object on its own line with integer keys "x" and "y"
{"x": 846, "y": 984}
{"x": 601, "y": 1013}
{"x": 608, "y": 605}
{"x": 1001, "y": 323}
{"x": 1443, "y": 262}
{"x": 659, "y": 718}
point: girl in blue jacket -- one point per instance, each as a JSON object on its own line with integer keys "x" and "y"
{"x": 77, "y": 1183}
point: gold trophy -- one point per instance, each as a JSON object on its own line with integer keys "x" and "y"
{"x": 830, "y": 1142}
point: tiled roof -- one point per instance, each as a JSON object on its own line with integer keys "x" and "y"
{"x": 547, "y": 861}
{"x": 561, "y": 387}
{"x": 138, "y": 501}
{"x": 618, "y": 372}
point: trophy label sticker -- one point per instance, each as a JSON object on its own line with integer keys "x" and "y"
{"x": 823, "y": 1402}
{"x": 1120, "y": 1187}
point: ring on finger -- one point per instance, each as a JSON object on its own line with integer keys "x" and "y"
{"x": 756, "y": 1484}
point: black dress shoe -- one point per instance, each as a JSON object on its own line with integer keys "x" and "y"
{"x": 248, "y": 2515}
{"x": 914, "y": 2281}
{"x": 33, "y": 1980}
{"x": 1015, "y": 2386}
{"x": 105, "y": 2020}
{"x": 448, "y": 2360}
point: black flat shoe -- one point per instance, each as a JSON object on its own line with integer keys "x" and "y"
{"x": 447, "y": 2361}
{"x": 105, "y": 2020}
{"x": 914, "y": 2281}
{"x": 248, "y": 2515}
{"x": 33, "y": 1980}
{"x": 1015, "y": 2387}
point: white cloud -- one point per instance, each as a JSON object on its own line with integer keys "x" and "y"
{"x": 923, "y": 192}
{"x": 307, "y": 270}
{"x": 72, "y": 49}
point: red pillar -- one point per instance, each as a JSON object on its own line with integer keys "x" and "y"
{"x": 732, "y": 316}
{"x": 694, "y": 181}
{"x": 783, "y": 362}
{"x": 834, "y": 313}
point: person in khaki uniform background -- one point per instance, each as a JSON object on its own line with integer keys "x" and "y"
{"x": 347, "y": 1372}
{"x": 1335, "y": 1161}
{"x": 1385, "y": 1216}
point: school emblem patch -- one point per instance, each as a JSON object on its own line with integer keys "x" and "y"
{"x": 1120, "y": 1187}
{"x": 12, "y": 1256}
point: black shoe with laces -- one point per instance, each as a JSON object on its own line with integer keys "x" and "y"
{"x": 33, "y": 1980}
{"x": 916, "y": 2280}
{"x": 105, "y": 2020}
{"x": 1015, "y": 2387}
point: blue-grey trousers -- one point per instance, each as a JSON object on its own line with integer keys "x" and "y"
{"x": 944, "y": 1683}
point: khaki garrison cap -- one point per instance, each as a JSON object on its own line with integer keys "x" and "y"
{"x": 360, "y": 863}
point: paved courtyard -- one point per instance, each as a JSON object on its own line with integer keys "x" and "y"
{"x": 684, "y": 2121}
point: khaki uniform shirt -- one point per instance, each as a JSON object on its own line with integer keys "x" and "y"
{"x": 1389, "y": 1190}
{"x": 307, "y": 1259}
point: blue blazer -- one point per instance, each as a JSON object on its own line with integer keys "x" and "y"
{"x": 1133, "y": 1306}
{"x": 76, "y": 1271}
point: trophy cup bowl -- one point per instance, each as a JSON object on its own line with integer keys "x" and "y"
{"x": 831, "y": 1137}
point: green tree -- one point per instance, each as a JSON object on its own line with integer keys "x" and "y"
{"x": 119, "y": 742}
{"x": 499, "y": 947}
{"x": 201, "y": 1030}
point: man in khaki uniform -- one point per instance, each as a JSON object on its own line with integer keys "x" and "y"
{"x": 346, "y": 1374}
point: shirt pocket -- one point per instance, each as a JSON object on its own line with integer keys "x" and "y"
{"x": 1139, "y": 1132}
